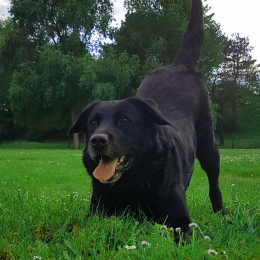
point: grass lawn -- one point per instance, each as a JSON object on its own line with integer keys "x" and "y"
{"x": 44, "y": 197}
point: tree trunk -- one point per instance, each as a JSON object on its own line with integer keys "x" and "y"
{"x": 219, "y": 130}
{"x": 75, "y": 136}
{"x": 221, "y": 137}
{"x": 76, "y": 141}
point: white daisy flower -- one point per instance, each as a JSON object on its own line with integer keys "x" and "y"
{"x": 130, "y": 247}
{"x": 207, "y": 238}
{"x": 212, "y": 251}
{"x": 146, "y": 243}
{"x": 178, "y": 230}
{"x": 193, "y": 225}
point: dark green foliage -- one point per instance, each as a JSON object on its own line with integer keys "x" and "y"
{"x": 47, "y": 75}
{"x": 60, "y": 20}
{"x": 153, "y": 30}
{"x": 8, "y": 130}
{"x": 62, "y": 84}
{"x": 235, "y": 88}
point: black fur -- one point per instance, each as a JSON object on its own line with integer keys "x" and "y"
{"x": 163, "y": 130}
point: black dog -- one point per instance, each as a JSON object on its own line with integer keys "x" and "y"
{"x": 140, "y": 152}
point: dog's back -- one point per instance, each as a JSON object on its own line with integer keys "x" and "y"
{"x": 182, "y": 97}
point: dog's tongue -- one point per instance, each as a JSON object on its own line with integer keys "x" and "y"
{"x": 105, "y": 169}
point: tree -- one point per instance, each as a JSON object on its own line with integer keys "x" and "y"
{"x": 15, "y": 47}
{"x": 59, "y": 32}
{"x": 68, "y": 22}
{"x": 52, "y": 68}
{"x": 153, "y": 30}
{"x": 235, "y": 78}
{"x": 60, "y": 85}
{"x": 248, "y": 110}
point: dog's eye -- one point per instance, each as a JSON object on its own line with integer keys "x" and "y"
{"x": 93, "y": 123}
{"x": 124, "y": 120}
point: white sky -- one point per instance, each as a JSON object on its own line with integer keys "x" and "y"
{"x": 239, "y": 16}
{"x": 4, "y": 4}
{"x": 234, "y": 16}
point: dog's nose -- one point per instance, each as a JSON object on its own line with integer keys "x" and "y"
{"x": 99, "y": 140}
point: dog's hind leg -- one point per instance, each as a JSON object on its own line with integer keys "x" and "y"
{"x": 208, "y": 156}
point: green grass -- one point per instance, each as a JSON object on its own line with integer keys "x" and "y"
{"x": 36, "y": 145}
{"x": 44, "y": 198}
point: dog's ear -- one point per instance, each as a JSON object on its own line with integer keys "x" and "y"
{"x": 80, "y": 124}
{"x": 151, "y": 110}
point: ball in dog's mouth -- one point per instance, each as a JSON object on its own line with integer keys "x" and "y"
{"x": 110, "y": 170}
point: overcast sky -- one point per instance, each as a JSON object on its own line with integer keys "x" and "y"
{"x": 241, "y": 16}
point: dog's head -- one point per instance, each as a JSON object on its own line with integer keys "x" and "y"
{"x": 117, "y": 133}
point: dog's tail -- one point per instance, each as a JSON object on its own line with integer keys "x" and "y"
{"x": 189, "y": 53}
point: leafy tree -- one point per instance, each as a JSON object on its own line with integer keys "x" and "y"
{"x": 114, "y": 71}
{"x": 153, "y": 30}
{"x": 60, "y": 85}
{"x": 50, "y": 81}
{"x": 248, "y": 110}
{"x": 58, "y": 32}
{"x": 68, "y": 22}
{"x": 14, "y": 48}
{"x": 234, "y": 80}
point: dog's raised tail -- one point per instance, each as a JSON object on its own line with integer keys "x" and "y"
{"x": 189, "y": 53}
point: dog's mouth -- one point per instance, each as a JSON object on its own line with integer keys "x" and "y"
{"x": 110, "y": 170}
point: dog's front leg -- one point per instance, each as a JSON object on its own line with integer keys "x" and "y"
{"x": 172, "y": 200}
{"x": 178, "y": 215}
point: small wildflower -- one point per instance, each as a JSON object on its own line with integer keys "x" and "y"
{"x": 193, "y": 225}
{"x": 224, "y": 253}
{"x": 233, "y": 185}
{"x": 130, "y": 247}
{"x": 212, "y": 251}
{"x": 163, "y": 226}
{"x": 10, "y": 245}
{"x": 146, "y": 243}
{"x": 37, "y": 257}
{"x": 178, "y": 229}
{"x": 207, "y": 238}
